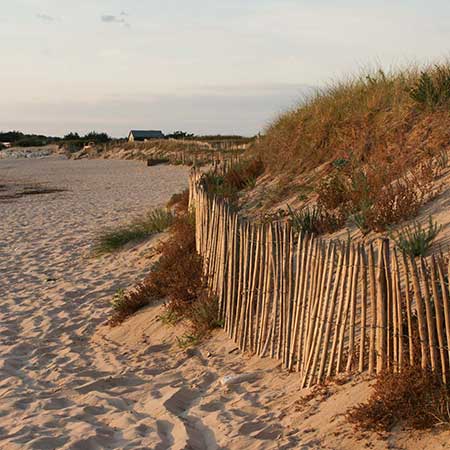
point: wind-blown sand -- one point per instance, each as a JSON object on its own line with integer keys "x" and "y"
{"x": 69, "y": 381}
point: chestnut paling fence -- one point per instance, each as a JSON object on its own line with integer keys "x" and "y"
{"x": 322, "y": 308}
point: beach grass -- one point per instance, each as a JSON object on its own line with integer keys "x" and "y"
{"x": 113, "y": 239}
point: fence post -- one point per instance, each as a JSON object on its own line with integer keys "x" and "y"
{"x": 382, "y": 296}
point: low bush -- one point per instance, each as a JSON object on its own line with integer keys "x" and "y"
{"x": 113, "y": 239}
{"x": 416, "y": 240}
{"x": 374, "y": 196}
{"x": 177, "y": 276}
{"x": 414, "y": 398}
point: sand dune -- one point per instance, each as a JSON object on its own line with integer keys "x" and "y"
{"x": 68, "y": 381}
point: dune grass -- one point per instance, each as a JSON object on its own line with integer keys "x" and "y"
{"x": 374, "y": 116}
{"x": 114, "y": 238}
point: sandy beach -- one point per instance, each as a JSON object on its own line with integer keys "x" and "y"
{"x": 54, "y": 296}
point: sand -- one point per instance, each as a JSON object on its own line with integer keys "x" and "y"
{"x": 69, "y": 381}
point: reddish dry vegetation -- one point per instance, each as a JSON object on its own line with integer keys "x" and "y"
{"x": 177, "y": 277}
{"x": 179, "y": 202}
{"x": 369, "y": 147}
{"x": 414, "y": 398}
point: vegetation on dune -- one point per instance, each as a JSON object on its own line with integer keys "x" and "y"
{"x": 239, "y": 176}
{"x": 177, "y": 278}
{"x": 179, "y": 202}
{"x": 369, "y": 148}
{"x": 414, "y": 398}
{"x": 315, "y": 220}
{"x": 375, "y": 117}
{"x": 140, "y": 228}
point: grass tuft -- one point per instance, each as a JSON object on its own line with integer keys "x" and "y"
{"x": 314, "y": 220}
{"x": 416, "y": 240}
{"x": 113, "y": 239}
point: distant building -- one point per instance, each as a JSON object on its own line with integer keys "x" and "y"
{"x": 144, "y": 135}
{"x": 6, "y": 144}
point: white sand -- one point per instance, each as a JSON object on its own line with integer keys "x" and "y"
{"x": 68, "y": 381}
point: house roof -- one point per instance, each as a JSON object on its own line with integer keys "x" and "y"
{"x": 147, "y": 134}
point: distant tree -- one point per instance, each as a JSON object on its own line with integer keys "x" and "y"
{"x": 11, "y": 136}
{"x": 32, "y": 141}
{"x": 98, "y": 138}
{"x": 71, "y": 136}
{"x": 180, "y": 135}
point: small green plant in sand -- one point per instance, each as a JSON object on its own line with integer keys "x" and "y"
{"x": 416, "y": 240}
{"x": 113, "y": 239}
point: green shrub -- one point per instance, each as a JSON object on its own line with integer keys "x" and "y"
{"x": 416, "y": 240}
{"x": 112, "y": 239}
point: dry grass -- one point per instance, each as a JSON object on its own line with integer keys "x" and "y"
{"x": 413, "y": 398}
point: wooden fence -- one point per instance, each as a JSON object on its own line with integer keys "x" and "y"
{"x": 322, "y": 308}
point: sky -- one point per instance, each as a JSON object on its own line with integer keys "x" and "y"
{"x": 203, "y": 66}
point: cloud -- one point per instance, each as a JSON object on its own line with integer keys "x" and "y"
{"x": 109, "y": 18}
{"x": 45, "y": 18}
